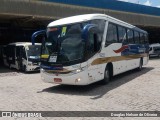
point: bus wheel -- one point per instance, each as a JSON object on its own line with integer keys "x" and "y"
{"x": 106, "y": 76}
{"x": 140, "y": 64}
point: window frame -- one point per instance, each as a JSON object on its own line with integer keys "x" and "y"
{"x": 125, "y": 32}
{"x": 133, "y": 41}
{"x": 137, "y": 37}
{"x": 106, "y": 42}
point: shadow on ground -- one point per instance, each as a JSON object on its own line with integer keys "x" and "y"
{"x": 154, "y": 58}
{"x": 97, "y": 89}
{"x": 4, "y": 69}
{"x": 7, "y": 70}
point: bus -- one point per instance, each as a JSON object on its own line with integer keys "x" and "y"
{"x": 22, "y": 56}
{"x": 84, "y": 49}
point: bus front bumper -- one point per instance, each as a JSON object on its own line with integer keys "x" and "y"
{"x": 80, "y": 78}
{"x": 33, "y": 68}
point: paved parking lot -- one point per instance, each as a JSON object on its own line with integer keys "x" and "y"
{"x": 132, "y": 91}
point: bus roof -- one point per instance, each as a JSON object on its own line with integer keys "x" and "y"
{"x": 23, "y": 43}
{"x": 86, "y": 17}
{"x": 155, "y": 45}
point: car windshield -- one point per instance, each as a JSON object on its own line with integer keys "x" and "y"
{"x": 157, "y": 49}
{"x": 33, "y": 51}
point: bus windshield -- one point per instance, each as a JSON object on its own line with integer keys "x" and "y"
{"x": 33, "y": 51}
{"x": 64, "y": 42}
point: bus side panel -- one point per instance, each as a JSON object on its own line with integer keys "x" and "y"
{"x": 94, "y": 71}
{"x": 119, "y": 67}
{"x": 145, "y": 60}
{"x": 132, "y": 64}
{"x": 119, "y": 64}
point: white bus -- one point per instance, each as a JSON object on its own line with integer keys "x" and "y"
{"x": 22, "y": 56}
{"x": 84, "y": 49}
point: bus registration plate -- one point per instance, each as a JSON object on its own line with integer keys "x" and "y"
{"x": 57, "y": 80}
{"x": 53, "y": 59}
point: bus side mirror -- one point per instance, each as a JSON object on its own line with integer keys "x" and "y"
{"x": 87, "y": 29}
{"x": 38, "y": 33}
{"x": 93, "y": 38}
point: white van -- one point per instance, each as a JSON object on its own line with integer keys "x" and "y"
{"x": 154, "y": 50}
{"x": 22, "y": 56}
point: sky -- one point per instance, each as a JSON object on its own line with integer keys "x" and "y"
{"x": 154, "y": 3}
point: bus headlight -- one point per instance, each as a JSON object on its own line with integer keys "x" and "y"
{"x": 79, "y": 70}
{"x": 42, "y": 70}
{"x": 76, "y": 71}
{"x": 29, "y": 63}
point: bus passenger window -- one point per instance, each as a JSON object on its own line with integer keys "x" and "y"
{"x": 142, "y": 38}
{"x": 24, "y": 53}
{"x": 130, "y": 36}
{"x": 136, "y": 37}
{"x": 111, "y": 34}
{"x": 122, "y": 34}
{"x": 146, "y": 38}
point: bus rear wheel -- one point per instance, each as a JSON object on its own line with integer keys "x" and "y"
{"x": 106, "y": 76}
{"x": 140, "y": 64}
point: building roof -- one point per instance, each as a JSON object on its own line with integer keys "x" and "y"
{"x": 113, "y": 5}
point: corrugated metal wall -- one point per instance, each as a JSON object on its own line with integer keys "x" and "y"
{"x": 112, "y": 4}
{"x": 42, "y": 10}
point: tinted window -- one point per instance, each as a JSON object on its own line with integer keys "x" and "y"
{"x": 146, "y": 38}
{"x": 122, "y": 34}
{"x": 11, "y": 51}
{"x": 24, "y": 53}
{"x": 17, "y": 51}
{"x": 111, "y": 34}
{"x": 33, "y": 50}
{"x": 136, "y": 37}
{"x": 130, "y": 36}
{"x": 156, "y": 49}
{"x": 99, "y": 33}
{"x": 150, "y": 49}
{"x": 142, "y": 38}
{"x": 90, "y": 44}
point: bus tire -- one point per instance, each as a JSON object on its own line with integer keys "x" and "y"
{"x": 140, "y": 64}
{"x": 106, "y": 76}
